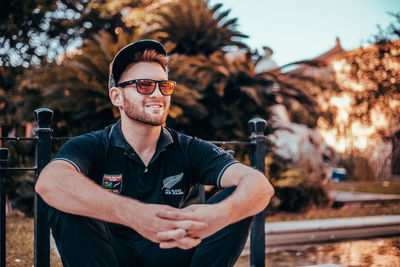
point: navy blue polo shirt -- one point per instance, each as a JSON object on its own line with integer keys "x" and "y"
{"x": 179, "y": 163}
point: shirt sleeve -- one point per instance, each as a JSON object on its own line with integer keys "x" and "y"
{"x": 208, "y": 162}
{"x": 83, "y": 152}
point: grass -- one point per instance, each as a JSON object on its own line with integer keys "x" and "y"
{"x": 19, "y": 242}
{"x": 381, "y": 187}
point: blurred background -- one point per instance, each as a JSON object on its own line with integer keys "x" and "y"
{"x": 324, "y": 74}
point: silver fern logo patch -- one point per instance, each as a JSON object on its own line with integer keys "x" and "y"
{"x": 170, "y": 182}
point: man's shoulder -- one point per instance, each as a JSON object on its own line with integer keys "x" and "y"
{"x": 93, "y": 137}
{"x": 188, "y": 141}
{"x": 180, "y": 137}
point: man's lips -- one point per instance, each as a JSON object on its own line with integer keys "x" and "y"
{"x": 154, "y": 105}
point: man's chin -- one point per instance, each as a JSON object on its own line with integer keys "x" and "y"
{"x": 147, "y": 119}
{"x": 152, "y": 122}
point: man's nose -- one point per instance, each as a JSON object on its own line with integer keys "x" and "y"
{"x": 157, "y": 91}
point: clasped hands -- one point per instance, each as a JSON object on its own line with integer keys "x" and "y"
{"x": 182, "y": 228}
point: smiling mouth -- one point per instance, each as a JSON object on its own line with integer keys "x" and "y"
{"x": 154, "y": 106}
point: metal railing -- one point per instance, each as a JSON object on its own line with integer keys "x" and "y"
{"x": 43, "y": 139}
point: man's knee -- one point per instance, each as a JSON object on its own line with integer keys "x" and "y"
{"x": 79, "y": 226}
{"x": 81, "y": 240}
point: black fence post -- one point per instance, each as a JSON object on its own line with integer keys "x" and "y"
{"x": 43, "y": 118}
{"x": 257, "y": 238}
{"x": 3, "y": 165}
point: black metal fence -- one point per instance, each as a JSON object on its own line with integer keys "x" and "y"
{"x": 43, "y": 139}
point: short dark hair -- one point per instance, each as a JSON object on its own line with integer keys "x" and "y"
{"x": 151, "y": 56}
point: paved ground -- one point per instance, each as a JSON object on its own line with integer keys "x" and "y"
{"x": 280, "y": 235}
{"x": 330, "y": 224}
{"x": 351, "y": 197}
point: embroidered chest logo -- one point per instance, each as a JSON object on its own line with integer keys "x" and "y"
{"x": 170, "y": 182}
{"x": 112, "y": 182}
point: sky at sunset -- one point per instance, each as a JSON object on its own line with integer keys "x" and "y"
{"x": 297, "y": 30}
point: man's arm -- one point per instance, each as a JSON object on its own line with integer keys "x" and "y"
{"x": 252, "y": 195}
{"x": 61, "y": 186}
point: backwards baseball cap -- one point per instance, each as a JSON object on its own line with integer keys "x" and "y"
{"x": 124, "y": 57}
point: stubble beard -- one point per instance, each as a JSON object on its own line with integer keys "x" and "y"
{"x": 134, "y": 113}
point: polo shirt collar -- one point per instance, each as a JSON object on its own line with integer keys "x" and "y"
{"x": 117, "y": 139}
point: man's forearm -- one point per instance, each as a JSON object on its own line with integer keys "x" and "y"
{"x": 64, "y": 188}
{"x": 69, "y": 191}
{"x": 251, "y": 196}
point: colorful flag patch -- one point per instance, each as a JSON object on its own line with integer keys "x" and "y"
{"x": 112, "y": 182}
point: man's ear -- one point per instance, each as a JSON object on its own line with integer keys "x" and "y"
{"x": 115, "y": 94}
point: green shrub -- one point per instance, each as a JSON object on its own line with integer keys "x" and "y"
{"x": 296, "y": 193}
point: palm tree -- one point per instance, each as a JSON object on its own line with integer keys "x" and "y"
{"x": 196, "y": 29}
{"x": 233, "y": 92}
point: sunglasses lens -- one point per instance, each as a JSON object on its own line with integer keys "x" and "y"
{"x": 167, "y": 87}
{"x": 146, "y": 86}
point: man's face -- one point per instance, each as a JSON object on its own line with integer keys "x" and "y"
{"x": 149, "y": 109}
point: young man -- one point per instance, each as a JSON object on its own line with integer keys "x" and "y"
{"x": 116, "y": 195}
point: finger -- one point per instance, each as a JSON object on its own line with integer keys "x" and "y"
{"x": 183, "y": 243}
{"x": 168, "y": 244}
{"x": 171, "y": 234}
{"x": 191, "y": 226}
{"x": 177, "y": 215}
{"x": 188, "y": 242}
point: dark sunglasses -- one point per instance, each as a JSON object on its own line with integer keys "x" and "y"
{"x": 147, "y": 86}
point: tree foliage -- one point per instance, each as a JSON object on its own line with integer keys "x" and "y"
{"x": 231, "y": 91}
{"x": 217, "y": 91}
{"x": 377, "y": 69}
{"x": 196, "y": 29}
{"x": 33, "y": 29}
